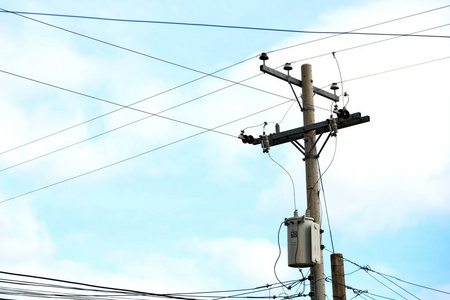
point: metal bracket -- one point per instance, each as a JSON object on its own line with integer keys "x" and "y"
{"x": 299, "y": 146}
{"x": 302, "y": 149}
{"x": 297, "y": 82}
{"x": 292, "y": 135}
{"x": 296, "y": 98}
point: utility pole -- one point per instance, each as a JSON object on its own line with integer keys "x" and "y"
{"x": 337, "y": 276}
{"x": 312, "y": 175}
{"x": 308, "y": 132}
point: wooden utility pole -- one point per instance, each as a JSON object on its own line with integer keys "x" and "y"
{"x": 312, "y": 175}
{"x": 308, "y": 132}
{"x": 337, "y": 275}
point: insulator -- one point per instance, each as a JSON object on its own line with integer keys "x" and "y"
{"x": 265, "y": 144}
{"x": 277, "y": 128}
{"x": 343, "y": 113}
{"x": 333, "y": 127}
{"x": 334, "y": 86}
{"x": 346, "y": 113}
{"x": 263, "y": 56}
{"x": 287, "y": 66}
{"x": 247, "y": 139}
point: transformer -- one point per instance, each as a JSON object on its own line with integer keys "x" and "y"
{"x": 303, "y": 239}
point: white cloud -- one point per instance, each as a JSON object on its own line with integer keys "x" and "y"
{"x": 206, "y": 264}
{"x": 28, "y": 248}
{"x": 385, "y": 170}
{"x": 383, "y": 173}
{"x": 24, "y": 238}
{"x": 240, "y": 260}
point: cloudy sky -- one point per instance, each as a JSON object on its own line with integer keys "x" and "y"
{"x": 163, "y": 196}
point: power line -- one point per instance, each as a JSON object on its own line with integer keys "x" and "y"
{"x": 122, "y": 47}
{"x": 122, "y": 106}
{"x": 95, "y": 118}
{"x": 324, "y": 197}
{"x": 386, "y": 286}
{"x": 134, "y": 51}
{"x": 207, "y": 130}
{"x": 132, "y": 104}
{"x": 399, "y": 287}
{"x": 114, "y": 129}
{"x": 367, "y": 268}
{"x": 110, "y": 102}
{"x": 222, "y": 26}
{"x": 154, "y": 114}
{"x": 138, "y": 155}
{"x": 290, "y": 177}
{"x": 367, "y": 44}
{"x": 120, "y": 127}
{"x": 46, "y": 287}
{"x": 377, "y": 24}
{"x": 397, "y": 69}
{"x": 105, "y": 42}
{"x": 157, "y": 114}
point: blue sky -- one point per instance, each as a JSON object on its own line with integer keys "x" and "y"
{"x": 204, "y": 212}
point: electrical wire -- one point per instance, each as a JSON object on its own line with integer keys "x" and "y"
{"x": 287, "y": 111}
{"x": 126, "y": 49}
{"x": 217, "y": 25}
{"x": 332, "y": 159}
{"x": 373, "y": 25}
{"x": 131, "y": 50}
{"x": 138, "y": 155}
{"x": 112, "y": 102}
{"x": 322, "y": 174}
{"x": 46, "y": 287}
{"x": 123, "y": 106}
{"x": 352, "y": 48}
{"x": 398, "y": 69}
{"x": 63, "y": 130}
{"x": 290, "y": 177}
{"x": 326, "y": 207}
{"x": 367, "y": 268}
{"x": 369, "y": 75}
{"x": 227, "y": 291}
{"x": 195, "y": 70}
{"x": 132, "y": 104}
{"x": 340, "y": 74}
{"x": 392, "y": 70}
{"x": 414, "y": 284}
{"x": 363, "y": 45}
{"x": 279, "y": 255}
{"x": 83, "y": 174}
{"x": 119, "y": 46}
{"x": 386, "y": 286}
{"x": 400, "y": 287}
{"x": 359, "y": 292}
{"x": 120, "y": 127}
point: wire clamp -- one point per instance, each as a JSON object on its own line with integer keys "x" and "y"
{"x": 265, "y": 143}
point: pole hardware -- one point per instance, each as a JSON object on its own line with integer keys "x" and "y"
{"x": 265, "y": 144}
{"x": 341, "y": 113}
{"x": 246, "y": 139}
{"x": 308, "y": 132}
{"x": 295, "y": 81}
{"x": 292, "y": 135}
{"x": 264, "y": 57}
